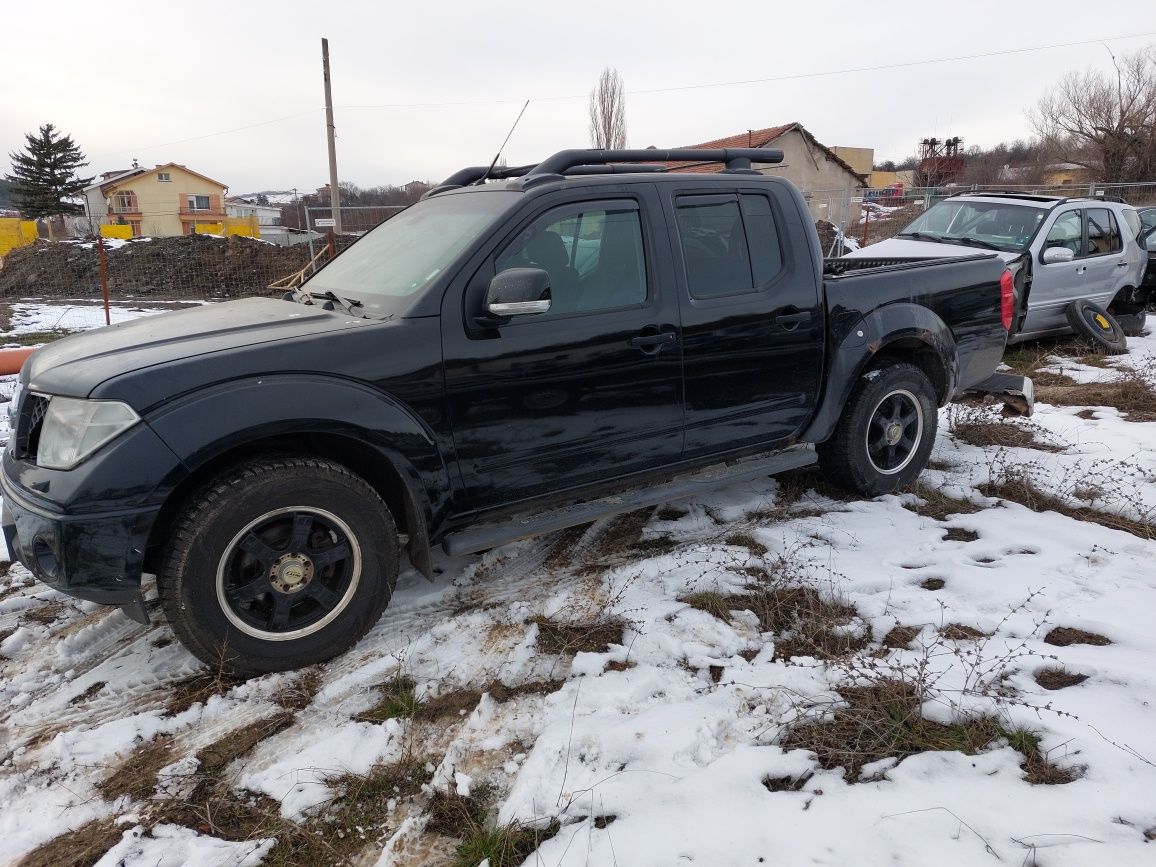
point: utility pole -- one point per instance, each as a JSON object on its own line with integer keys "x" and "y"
{"x": 334, "y": 194}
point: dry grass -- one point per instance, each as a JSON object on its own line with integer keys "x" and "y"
{"x": 88, "y": 693}
{"x": 565, "y": 639}
{"x": 885, "y": 720}
{"x": 197, "y": 689}
{"x": 299, "y": 694}
{"x": 397, "y": 700}
{"x": 1058, "y": 678}
{"x": 465, "y": 818}
{"x": 937, "y": 505}
{"x": 45, "y": 615}
{"x": 803, "y": 621}
{"x": 962, "y": 632}
{"x": 217, "y": 756}
{"x": 899, "y": 637}
{"x": 81, "y": 847}
{"x": 1063, "y": 636}
{"x": 958, "y": 534}
{"x": 1131, "y": 395}
{"x": 136, "y": 776}
{"x": 986, "y": 434}
{"x": 746, "y": 540}
{"x": 1015, "y": 485}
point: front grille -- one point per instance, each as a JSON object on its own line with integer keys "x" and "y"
{"x": 29, "y": 424}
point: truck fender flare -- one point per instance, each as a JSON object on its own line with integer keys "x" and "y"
{"x": 904, "y": 330}
{"x": 211, "y": 422}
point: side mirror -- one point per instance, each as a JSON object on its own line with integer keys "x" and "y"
{"x": 1148, "y": 240}
{"x": 518, "y": 291}
{"x": 1055, "y": 255}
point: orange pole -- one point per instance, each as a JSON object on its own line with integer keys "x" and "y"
{"x": 11, "y": 360}
{"x": 332, "y": 245}
{"x": 103, "y": 278}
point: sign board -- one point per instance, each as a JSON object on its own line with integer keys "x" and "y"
{"x": 325, "y": 222}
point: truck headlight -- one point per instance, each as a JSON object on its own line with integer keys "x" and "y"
{"x": 73, "y": 429}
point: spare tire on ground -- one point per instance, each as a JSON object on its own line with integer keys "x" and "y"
{"x": 1098, "y": 326}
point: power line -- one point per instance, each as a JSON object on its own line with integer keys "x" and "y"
{"x": 791, "y": 77}
{"x": 676, "y": 88}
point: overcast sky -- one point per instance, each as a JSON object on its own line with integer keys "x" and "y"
{"x": 423, "y": 88}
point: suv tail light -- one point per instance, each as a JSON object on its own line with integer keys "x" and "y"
{"x": 1006, "y": 299}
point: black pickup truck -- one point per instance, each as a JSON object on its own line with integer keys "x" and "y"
{"x": 525, "y": 349}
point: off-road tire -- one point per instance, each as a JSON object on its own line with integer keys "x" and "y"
{"x": 206, "y": 532}
{"x": 845, "y": 460}
{"x": 1097, "y": 326}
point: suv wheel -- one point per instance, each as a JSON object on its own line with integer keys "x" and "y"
{"x": 281, "y": 563}
{"x": 885, "y": 434}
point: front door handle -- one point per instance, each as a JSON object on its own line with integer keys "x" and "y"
{"x": 791, "y": 321}
{"x": 1121, "y": 264}
{"x": 651, "y": 344}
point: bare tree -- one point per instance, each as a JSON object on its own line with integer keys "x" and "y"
{"x": 1104, "y": 122}
{"x": 608, "y": 111}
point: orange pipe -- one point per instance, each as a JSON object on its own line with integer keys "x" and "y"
{"x": 11, "y": 360}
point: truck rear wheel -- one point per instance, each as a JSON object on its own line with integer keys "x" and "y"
{"x": 885, "y": 435}
{"x": 278, "y": 564}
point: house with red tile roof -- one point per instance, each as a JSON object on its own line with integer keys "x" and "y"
{"x": 827, "y": 180}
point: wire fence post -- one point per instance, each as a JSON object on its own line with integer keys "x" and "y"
{"x": 866, "y": 221}
{"x": 103, "y": 278}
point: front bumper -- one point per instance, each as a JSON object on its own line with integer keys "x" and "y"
{"x": 93, "y": 556}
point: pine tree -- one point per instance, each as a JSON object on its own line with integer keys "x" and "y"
{"x": 45, "y": 173}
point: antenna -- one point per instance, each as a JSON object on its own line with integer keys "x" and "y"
{"x": 498, "y": 155}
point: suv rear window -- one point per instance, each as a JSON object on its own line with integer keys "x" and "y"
{"x": 1103, "y": 232}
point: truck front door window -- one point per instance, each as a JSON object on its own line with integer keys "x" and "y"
{"x": 594, "y": 258}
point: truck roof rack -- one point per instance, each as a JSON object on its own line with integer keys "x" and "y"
{"x": 569, "y": 163}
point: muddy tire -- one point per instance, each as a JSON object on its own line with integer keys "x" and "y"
{"x": 886, "y": 432}
{"x": 1098, "y": 326}
{"x": 278, "y": 564}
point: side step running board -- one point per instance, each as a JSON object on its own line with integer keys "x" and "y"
{"x": 484, "y": 536}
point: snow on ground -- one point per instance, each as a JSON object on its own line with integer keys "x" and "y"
{"x": 658, "y": 750}
{"x": 34, "y": 316}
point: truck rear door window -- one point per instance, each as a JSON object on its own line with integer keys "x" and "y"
{"x": 729, "y": 243}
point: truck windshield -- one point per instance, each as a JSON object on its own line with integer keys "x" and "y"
{"x": 388, "y": 269}
{"x": 994, "y": 225}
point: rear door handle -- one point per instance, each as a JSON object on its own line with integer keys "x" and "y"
{"x": 653, "y": 343}
{"x": 1121, "y": 264}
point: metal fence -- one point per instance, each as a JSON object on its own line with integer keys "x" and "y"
{"x": 51, "y": 288}
{"x": 355, "y": 219}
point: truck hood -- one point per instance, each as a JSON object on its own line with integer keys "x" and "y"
{"x": 75, "y": 366}
{"x": 908, "y": 247}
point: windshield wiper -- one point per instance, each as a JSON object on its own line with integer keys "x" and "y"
{"x": 918, "y": 236}
{"x": 347, "y": 303}
{"x": 975, "y": 242}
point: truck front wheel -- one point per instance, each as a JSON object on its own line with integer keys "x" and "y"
{"x": 886, "y": 432}
{"x": 279, "y": 563}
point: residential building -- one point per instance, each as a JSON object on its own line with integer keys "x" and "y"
{"x": 828, "y": 181}
{"x": 164, "y": 201}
